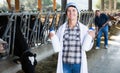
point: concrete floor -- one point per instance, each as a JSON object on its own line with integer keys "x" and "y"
{"x": 105, "y": 61}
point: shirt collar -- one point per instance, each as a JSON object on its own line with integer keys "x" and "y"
{"x": 77, "y": 25}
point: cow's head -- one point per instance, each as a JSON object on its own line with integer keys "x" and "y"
{"x": 28, "y": 62}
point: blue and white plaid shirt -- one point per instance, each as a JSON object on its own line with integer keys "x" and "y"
{"x": 72, "y": 45}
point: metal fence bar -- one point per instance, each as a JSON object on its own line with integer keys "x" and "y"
{"x": 39, "y": 32}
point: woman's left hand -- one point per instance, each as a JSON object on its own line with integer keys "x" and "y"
{"x": 92, "y": 34}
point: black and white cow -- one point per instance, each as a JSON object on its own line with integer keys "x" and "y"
{"x": 21, "y": 48}
{"x": 28, "y": 62}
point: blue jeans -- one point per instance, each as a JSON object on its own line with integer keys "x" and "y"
{"x": 71, "y": 68}
{"x": 105, "y": 31}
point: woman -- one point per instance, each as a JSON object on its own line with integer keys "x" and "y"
{"x": 72, "y": 37}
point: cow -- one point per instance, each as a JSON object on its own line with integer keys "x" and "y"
{"x": 21, "y": 49}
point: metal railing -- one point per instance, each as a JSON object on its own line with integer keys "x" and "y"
{"x": 35, "y": 26}
{"x": 87, "y": 17}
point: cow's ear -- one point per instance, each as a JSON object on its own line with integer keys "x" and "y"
{"x": 34, "y": 54}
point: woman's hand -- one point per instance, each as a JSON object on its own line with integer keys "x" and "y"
{"x": 92, "y": 34}
{"x": 51, "y": 35}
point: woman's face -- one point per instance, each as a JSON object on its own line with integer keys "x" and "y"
{"x": 72, "y": 13}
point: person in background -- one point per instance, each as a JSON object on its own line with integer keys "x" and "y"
{"x": 101, "y": 24}
{"x": 75, "y": 39}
